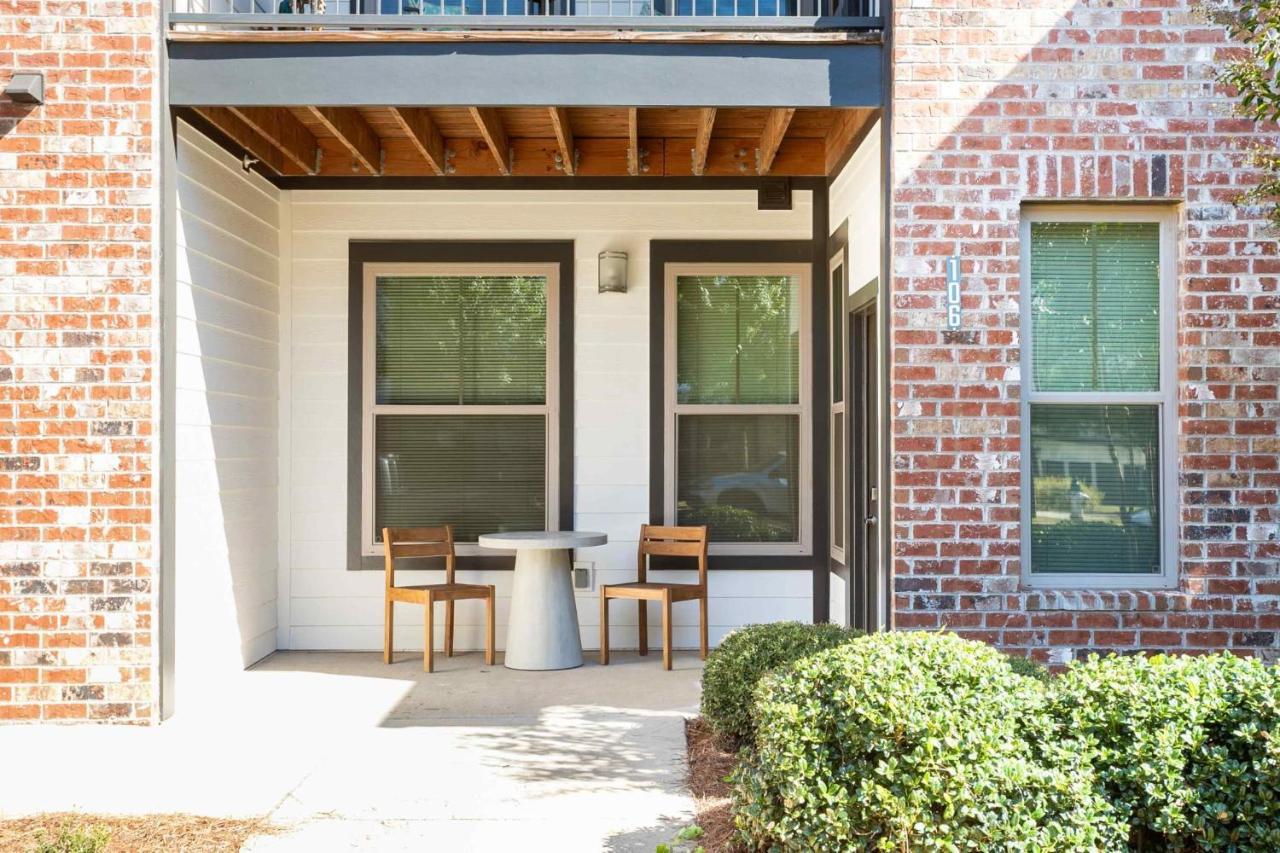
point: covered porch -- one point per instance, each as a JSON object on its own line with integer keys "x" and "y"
{"x": 282, "y": 211}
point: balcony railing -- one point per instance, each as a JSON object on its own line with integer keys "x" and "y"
{"x": 761, "y": 15}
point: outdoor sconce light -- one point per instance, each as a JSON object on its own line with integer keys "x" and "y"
{"x": 26, "y": 87}
{"x": 613, "y": 272}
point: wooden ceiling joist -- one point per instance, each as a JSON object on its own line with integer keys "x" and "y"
{"x": 633, "y": 141}
{"x": 355, "y": 135}
{"x": 775, "y": 129}
{"x": 239, "y": 132}
{"x": 546, "y": 141}
{"x": 290, "y": 136}
{"x": 489, "y": 122}
{"x": 422, "y": 132}
{"x": 702, "y": 142}
{"x": 564, "y": 137}
{"x": 845, "y": 135}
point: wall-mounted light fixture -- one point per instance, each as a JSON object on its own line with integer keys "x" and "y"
{"x": 26, "y": 87}
{"x": 613, "y": 272}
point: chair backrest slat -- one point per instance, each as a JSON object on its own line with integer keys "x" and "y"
{"x": 667, "y": 541}
{"x": 402, "y": 542}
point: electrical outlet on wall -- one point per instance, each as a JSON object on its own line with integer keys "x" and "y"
{"x": 584, "y": 575}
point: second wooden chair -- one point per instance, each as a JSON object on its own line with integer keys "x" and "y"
{"x": 402, "y": 542}
{"x": 659, "y": 541}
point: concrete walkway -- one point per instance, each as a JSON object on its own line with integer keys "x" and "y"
{"x": 346, "y": 753}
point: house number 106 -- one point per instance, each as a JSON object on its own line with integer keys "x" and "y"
{"x": 953, "y": 292}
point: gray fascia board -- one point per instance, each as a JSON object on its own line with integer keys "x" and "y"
{"x": 241, "y": 21}
{"x": 524, "y": 74}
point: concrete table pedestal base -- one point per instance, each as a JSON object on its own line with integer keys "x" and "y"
{"x": 542, "y": 631}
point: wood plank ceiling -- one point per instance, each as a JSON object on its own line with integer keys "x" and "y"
{"x": 540, "y": 141}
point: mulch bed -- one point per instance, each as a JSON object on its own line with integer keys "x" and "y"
{"x": 156, "y": 833}
{"x": 709, "y": 764}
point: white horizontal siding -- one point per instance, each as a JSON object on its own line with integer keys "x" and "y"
{"x": 227, "y": 426}
{"x": 333, "y": 608}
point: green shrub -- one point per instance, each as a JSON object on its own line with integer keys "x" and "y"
{"x": 73, "y": 838}
{"x": 1186, "y": 748}
{"x": 1029, "y": 668}
{"x": 913, "y": 741}
{"x": 744, "y": 657}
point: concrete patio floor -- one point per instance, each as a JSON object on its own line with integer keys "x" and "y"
{"x": 344, "y": 752}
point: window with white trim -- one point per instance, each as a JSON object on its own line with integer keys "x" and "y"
{"x": 1099, "y": 397}
{"x": 737, "y": 404}
{"x": 459, "y": 412}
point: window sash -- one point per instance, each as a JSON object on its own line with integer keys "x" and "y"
{"x": 1164, "y": 398}
{"x": 801, "y": 408}
{"x": 371, "y": 408}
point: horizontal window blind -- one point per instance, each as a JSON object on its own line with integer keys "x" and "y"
{"x": 1095, "y": 294}
{"x": 1095, "y": 488}
{"x": 737, "y": 339}
{"x": 739, "y": 475}
{"x": 461, "y": 340}
{"x": 482, "y": 473}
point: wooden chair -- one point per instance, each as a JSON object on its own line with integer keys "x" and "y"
{"x": 660, "y": 541}
{"x": 399, "y": 542}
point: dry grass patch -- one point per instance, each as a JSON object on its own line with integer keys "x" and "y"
{"x": 155, "y": 833}
{"x": 709, "y": 764}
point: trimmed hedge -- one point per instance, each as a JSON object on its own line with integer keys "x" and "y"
{"x": 914, "y": 741}
{"x": 744, "y": 657}
{"x": 1186, "y": 748}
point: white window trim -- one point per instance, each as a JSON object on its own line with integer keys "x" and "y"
{"x": 838, "y": 520}
{"x": 1166, "y": 399}
{"x": 803, "y": 275}
{"x": 370, "y": 408}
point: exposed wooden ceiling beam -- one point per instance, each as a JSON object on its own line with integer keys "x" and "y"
{"x": 350, "y": 128}
{"x": 489, "y": 122}
{"x": 422, "y": 132}
{"x": 239, "y": 132}
{"x": 283, "y": 130}
{"x": 564, "y": 137}
{"x": 846, "y": 134}
{"x": 775, "y": 128}
{"x": 633, "y": 141}
{"x": 706, "y": 121}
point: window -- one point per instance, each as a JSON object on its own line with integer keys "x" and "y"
{"x": 1099, "y": 400}
{"x": 737, "y": 405}
{"x": 459, "y": 387}
{"x": 838, "y": 515}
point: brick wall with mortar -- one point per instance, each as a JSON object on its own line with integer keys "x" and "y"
{"x": 1002, "y": 101}
{"x": 76, "y": 363}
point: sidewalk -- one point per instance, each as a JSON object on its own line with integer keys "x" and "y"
{"x": 346, "y": 753}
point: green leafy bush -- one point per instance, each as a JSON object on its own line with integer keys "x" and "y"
{"x": 735, "y": 524}
{"x": 747, "y": 655}
{"x": 1186, "y": 748}
{"x": 1029, "y": 668}
{"x": 73, "y": 838}
{"x": 913, "y": 741}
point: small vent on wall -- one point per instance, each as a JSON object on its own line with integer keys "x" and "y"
{"x": 774, "y": 194}
{"x": 582, "y": 575}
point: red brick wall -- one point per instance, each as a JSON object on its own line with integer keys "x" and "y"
{"x": 76, "y": 363}
{"x": 1001, "y": 101}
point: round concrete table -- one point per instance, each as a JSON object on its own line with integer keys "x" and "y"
{"x": 542, "y": 630}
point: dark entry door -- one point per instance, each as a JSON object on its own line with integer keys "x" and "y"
{"x": 866, "y": 588}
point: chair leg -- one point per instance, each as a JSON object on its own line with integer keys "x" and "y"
{"x": 644, "y": 627}
{"x": 604, "y": 629}
{"x": 387, "y": 623}
{"x": 666, "y": 629}
{"x": 448, "y": 628}
{"x": 702, "y": 624}
{"x": 428, "y": 665}
{"x": 489, "y": 605}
